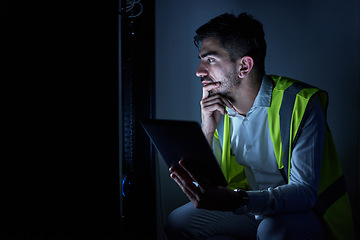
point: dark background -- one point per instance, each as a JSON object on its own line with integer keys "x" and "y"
{"x": 317, "y": 42}
{"x": 60, "y": 100}
{"x": 60, "y": 164}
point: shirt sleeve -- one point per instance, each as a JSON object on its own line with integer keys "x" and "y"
{"x": 301, "y": 191}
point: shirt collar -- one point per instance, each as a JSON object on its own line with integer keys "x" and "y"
{"x": 263, "y": 98}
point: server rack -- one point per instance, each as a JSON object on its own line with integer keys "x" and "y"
{"x": 137, "y": 166}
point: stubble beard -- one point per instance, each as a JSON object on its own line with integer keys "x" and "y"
{"x": 229, "y": 83}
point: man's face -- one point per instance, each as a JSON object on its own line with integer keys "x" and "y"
{"x": 216, "y": 66}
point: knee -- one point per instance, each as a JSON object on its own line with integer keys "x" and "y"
{"x": 290, "y": 226}
{"x": 271, "y": 228}
{"x": 171, "y": 226}
{"x": 177, "y": 225}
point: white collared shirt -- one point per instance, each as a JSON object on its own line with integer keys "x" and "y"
{"x": 253, "y": 148}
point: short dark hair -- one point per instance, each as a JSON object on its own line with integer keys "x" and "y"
{"x": 239, "y": 36}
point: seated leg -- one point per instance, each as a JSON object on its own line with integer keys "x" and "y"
{"x": 302, "y": 225}
{"x": 188, "y": 222}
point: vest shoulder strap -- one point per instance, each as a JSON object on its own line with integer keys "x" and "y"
{"x": 220, "y": 130}
{"x": 289, "y": 102}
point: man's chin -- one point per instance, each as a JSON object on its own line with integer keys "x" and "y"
{"x": 213, "y": 92}
{"x": 217, "y": 91}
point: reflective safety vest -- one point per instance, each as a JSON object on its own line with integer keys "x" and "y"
{"x": 289, "y": 101}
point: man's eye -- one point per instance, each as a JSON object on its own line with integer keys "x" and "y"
{"x": 211, "y": 60}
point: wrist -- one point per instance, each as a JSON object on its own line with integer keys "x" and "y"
{"x": 209, "y": 136}
{"x": 243, "y": 197}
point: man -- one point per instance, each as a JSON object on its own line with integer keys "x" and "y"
{"x": 272, "y": 142}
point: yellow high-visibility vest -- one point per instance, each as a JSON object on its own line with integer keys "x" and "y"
{"x": 288, "y": 102}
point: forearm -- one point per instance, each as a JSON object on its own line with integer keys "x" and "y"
{"x": 209, "y": 135}
{"x": 285, "y": 198}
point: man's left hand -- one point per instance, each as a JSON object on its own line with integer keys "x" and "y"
{"x": 204, "y": 196}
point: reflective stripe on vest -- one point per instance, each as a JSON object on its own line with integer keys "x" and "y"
{"x": 284, "y": 105}
{"x": 234, "y": 173}
{"x": 333, "y": 203}
{"x": 289, "y": 102}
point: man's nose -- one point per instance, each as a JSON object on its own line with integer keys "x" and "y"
{"x": 201, "y": 71}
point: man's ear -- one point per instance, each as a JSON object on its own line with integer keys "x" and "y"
{"x": 244, "y": 66}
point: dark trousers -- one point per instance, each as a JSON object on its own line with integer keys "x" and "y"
{"x": 188, "y": 222}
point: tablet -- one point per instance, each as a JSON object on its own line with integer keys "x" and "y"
{"x": 185, "y": 140}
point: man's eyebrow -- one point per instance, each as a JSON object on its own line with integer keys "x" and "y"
{"x": 210, "y": 53}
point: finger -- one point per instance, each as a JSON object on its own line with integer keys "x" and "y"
{"x": 217, "y": 98}
{"x": 184, "y": 185}
{"x": 189, "y": 189}
{"x": 210, "y": 109}
{"x": 200, "y": 184}
{"x": 207, "y": 88}
{"x": 212, "y": 104}
{"x": 183, "y": 165}
{"x": 183, "y": 175}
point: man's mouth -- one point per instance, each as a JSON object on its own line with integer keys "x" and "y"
{"x": 206, "y": 81}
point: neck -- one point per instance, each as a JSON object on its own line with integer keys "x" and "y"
{"x": 243, "y": 98}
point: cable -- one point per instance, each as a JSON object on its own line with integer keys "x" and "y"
{"x": 130, "y": 7}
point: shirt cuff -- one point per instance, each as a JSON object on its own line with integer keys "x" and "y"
{"x": 257, "y": 202}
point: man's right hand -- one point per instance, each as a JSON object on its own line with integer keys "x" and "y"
{"x": 212, "y": 108}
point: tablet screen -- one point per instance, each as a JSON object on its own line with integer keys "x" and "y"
{"x": 177, "y": 140}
